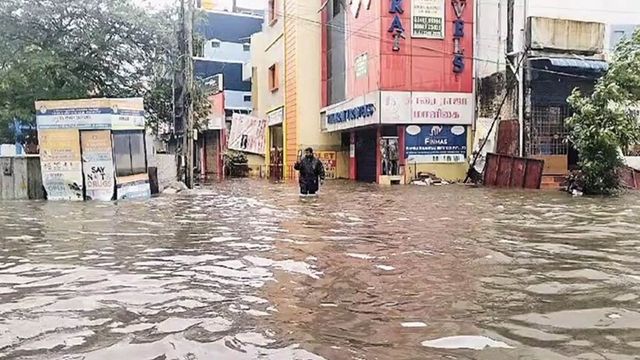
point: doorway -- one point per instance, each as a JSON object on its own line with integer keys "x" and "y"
{"x": 366, "y": 162}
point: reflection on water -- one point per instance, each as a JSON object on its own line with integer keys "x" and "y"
{"x": 247, "y": 270}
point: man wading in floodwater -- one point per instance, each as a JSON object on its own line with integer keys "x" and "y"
{"x": 311, "y": 173}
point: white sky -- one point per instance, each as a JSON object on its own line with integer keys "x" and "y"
{"x": 252, "y": 4}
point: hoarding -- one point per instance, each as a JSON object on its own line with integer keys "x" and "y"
{"x": 97, "y": 165}
{"x": 61, "y": 164}
{"x": 436, "y": 144}
{"x": 427, "y": 19}
{"x": 247, "y": 134}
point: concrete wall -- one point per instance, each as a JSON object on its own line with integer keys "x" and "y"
{"x": 167, "y": 170}
{"x": 227, "y": 51}
{"x": 25, "y": 180}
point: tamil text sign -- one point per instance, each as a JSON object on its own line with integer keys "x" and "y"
{"x": 442, "y": 108}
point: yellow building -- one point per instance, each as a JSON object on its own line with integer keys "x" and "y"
{"x": 286, "y": 86}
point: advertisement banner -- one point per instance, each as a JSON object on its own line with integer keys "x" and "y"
{"x": 427, "y": 19}
{"x": 442, "y": 108}
{"x": 436, "y": 144}
{"x": 247, "y": 134}
{"x": 97, "y": 165}
{"x": 61, "y": 164}
{"x": 329, "y": 160}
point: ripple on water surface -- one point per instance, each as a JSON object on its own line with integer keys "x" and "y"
{"x": 246, "y": 270}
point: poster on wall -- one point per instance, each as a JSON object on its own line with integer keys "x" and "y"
{"x": 247, "y": 134}
{"x": 97, "y": 165}
{"x": 436, "y": 144}
{"x": 61, "y": 165}
{"x": 427, "y": 19}
{"x": 329, "y": 160}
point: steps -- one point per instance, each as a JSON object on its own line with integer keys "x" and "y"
{"x": 552, "y": 182}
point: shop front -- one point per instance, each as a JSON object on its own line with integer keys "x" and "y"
{"x": 395, "y": 136}
{"x": 275, "y": 144}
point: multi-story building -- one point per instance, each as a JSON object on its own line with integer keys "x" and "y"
{"x": 398, "y": 86}
{"x": 548, "y": 48}
{"x": 381, "y": 89}
{"x": 223, "y": 49}
{"x": 287, "y": 75}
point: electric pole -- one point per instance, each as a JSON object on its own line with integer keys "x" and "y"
{"x": 187, "y": 26}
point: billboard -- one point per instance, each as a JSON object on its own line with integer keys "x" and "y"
{"x": 247, "y": 134}
{"x": 436, "y": 144}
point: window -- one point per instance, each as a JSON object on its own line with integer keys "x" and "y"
{"x": 273, "y": 77}
{"x": 215, "y": 44}
{"x": 246, "y": 47}
{"x": 129, "y": 152}
{"x": 247, "y": 98}
{"x": 273, "y": 17}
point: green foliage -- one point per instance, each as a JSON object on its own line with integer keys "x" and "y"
{"x": 67, "y": 49}
{"x": 603, "y": 124}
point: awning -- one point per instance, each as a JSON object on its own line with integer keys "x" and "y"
{"x": 598, "y": 65}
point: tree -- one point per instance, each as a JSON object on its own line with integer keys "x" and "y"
{"x": 68, "y": 49}
{"x": 603, "y": 124}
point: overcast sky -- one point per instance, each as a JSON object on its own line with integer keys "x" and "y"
{"x": 253, "y": 4}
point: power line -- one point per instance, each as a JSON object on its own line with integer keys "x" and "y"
{"x": 372, "y": 36}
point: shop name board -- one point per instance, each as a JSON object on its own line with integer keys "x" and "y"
{"x": 396, "y": 29}
{"x": 352, "y": 114}
{"x": 442, "y": 108}
{"x": 458, "y": 34}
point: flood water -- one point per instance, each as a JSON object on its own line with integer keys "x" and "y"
{"x": 247, "y": 270}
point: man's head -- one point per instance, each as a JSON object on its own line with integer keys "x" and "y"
{"x": 308, "y": 152}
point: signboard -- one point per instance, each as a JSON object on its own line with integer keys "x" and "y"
{"x": 247, "y": 134}
{"x": 97, "y": 165}
{"x": 442, "y": 108}
{"x": 207, "y": 5}
{"x": 329, "y": 159}
{"x": 60, "y": 163}
{"x": 127, "y": 114}
{"x": 360, "y": 111}
{"x": 215, "y": 84}
{"x": 276, "y": 117}
{"x": 91, "y": 114}
{"x": 427, "y": 19}
{"x": 361, "y": 65}
{"x": 395, "y": 107}
{"x": 436, "y": 144}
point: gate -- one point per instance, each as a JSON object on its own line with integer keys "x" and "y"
{"x": 513, "y": 172}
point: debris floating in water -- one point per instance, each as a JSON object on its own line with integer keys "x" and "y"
{"x": 465, "y": 342}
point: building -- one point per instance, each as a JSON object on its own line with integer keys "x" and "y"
{"x": 551, "y": 49}
{"x": 397, "y": 86}
{"x": 223, "y": 50}
{"x": 287, "y": 69}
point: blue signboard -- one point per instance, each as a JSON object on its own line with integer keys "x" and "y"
{"x": 436, "y": 144}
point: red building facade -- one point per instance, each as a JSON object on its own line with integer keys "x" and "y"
{"x": 403, "y": 95}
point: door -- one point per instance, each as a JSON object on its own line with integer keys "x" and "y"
{"x": 366, "y": 162}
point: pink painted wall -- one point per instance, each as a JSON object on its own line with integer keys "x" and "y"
{"x": 425, "y": 64}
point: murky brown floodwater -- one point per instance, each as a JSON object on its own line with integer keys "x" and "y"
{"x": 246, "y": 270}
